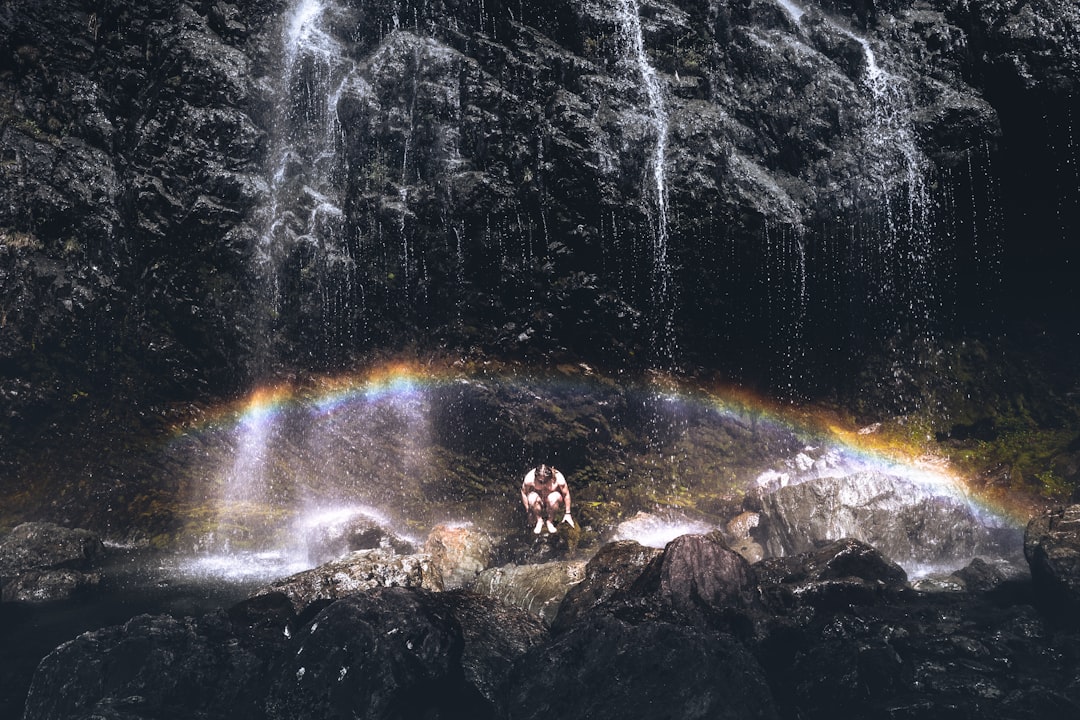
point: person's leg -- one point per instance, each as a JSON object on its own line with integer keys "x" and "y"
{"x": 536, "y": 514}
{"x": 554, "y": 499}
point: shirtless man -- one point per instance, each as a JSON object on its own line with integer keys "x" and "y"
{"x": 541, "y": 492}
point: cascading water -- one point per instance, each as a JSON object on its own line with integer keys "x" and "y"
{"x": 303, "y": 224}
{"x": 899, "y": 254}
{"x": 633, "y": 37}
{"x": 302, "y": 219}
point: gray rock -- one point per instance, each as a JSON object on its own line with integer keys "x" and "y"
{"x": 47, "y": 546}
{"x": 905, "y": 521}
{"x": 40, "y": 586}
{"x": 356, "y": 572}
{"x": 537, "y": 589}
{"x": 1052, "y": 549}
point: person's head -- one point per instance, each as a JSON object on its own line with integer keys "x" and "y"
{"x": 544, "y": 473}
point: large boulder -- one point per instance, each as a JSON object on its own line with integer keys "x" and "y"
{"x": 38, "y": 586}
{"x": 538, "y": 589}
{"x": 838, "y": 575}
{"x": 700, "y": 573}
{"x": 1052, "y": 548}
{"x": 47, "y": 546}
{"x": 390, "y": 652}
{"x": 610, "y": 668}
{"x": 696, "y": 579}
{"x": 43, "y": 562}
{"x": 402, "y": 653}
{"x": 614, "y": 569}
{"x": 907, "y": 521}
{"x": 354, "y": 573}
{"x": 156, "y": 667}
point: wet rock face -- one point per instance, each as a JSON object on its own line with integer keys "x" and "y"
{"x": 834, "y": 632}
{"x": 1052, "y": 548}
{"x": 357, "y": 571}
{"x": 538, "y": 589}
{"x": 43, "y": 562}
{"x": 906, "y": 522}
{"x": 483, "y": 146}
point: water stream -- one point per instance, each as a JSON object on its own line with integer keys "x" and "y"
{"x": 900, "y": 258}
{"x": 652, "y": 89}
{"x": 303, "y": 225}
{"x": 302, "y": 219}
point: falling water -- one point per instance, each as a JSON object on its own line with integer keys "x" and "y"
{"x": 900, "y": 259}
{"x": 302, "y": 217}
{"x": 629, "y": 19}
{"x": 793, "y": 10}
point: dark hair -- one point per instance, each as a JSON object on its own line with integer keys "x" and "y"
{"x": 544, "y": 471}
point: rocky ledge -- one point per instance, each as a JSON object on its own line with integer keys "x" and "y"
{"x": 690, "y": 631}
{"x": 42, "y": 562}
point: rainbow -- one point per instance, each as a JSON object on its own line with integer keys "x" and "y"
{"x": 322, "y": 396}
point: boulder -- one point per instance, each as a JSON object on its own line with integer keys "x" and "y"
{"x": 537, "y": 589}
{"x": 702, "y": 571}
{"x": 459, "y": 553}
{"x": 44, "y": 562}
{"x": 614, "y": 569}
{"x": 606, "y": 667}
{"x": 843, "y": 573}
{"x": 980, "y": 576}
{"x": 354, "y": 573}
{"x": 329, "y": 542}
{"x": 1052, "y": 549}
{"x": 906, "y": 521}
{"x": 402, "y": 652}
{"x": 38, "y": 586}
{"x": 47, "y": 546}
{"x": 156, "y": 667}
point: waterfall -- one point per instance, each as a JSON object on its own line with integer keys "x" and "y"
{"x": 663, "y": 331}
{"x": 793, "y": 10}
{"x": 302, "y": 220}
{"x": 899, "y": 258}
{"x": 300, "y": 255}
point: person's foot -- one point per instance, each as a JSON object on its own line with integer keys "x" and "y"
{"x": 551, "y": 528}
{"x": 539, "y": 526}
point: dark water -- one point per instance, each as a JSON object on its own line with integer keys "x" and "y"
{"x": 133, "y": 583}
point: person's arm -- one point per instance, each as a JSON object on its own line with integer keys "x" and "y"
{"x": 564, "y": 487}
{"x": 526, "y": 486}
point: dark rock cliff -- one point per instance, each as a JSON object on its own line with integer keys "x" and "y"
{"x": 784, "y": 198}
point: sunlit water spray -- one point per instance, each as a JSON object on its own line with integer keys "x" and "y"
{"x": 307, "y": 471}
{"x": 363, "y": 451}
{"x": 301, "y": 220}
